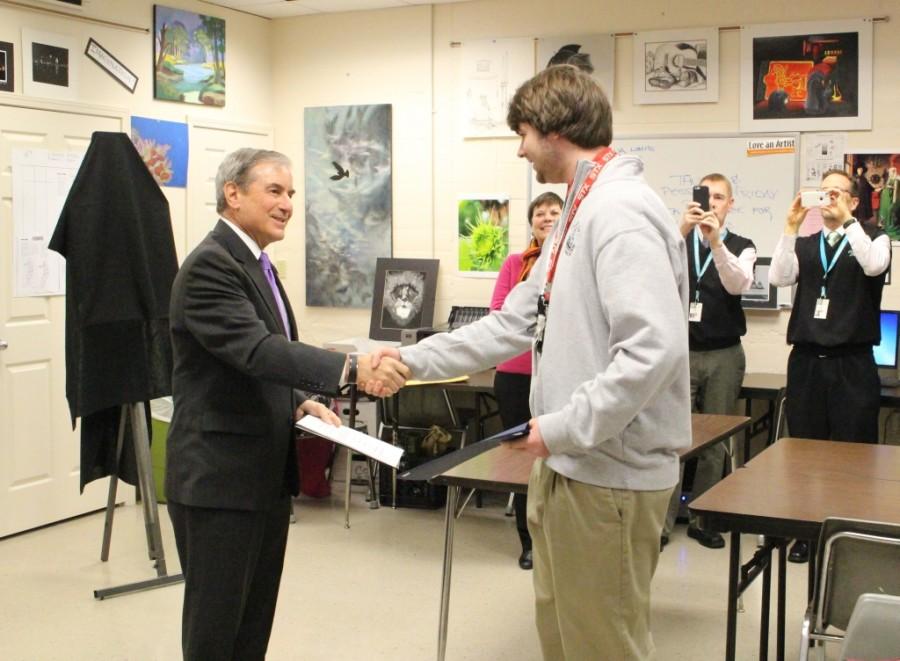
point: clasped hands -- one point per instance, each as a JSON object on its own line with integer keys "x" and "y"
{"x": 382, "y": 372}
{"x": 707, "y": 221}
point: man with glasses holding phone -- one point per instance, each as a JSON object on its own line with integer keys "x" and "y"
{"x": 833, "y": 391}
{"x": 720, "y": 264}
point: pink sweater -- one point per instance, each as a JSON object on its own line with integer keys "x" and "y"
{"x": 506, "y": 280}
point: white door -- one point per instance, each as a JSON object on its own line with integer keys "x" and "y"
{"x": 210, "y": 143}
{"x": 39, "y": 451}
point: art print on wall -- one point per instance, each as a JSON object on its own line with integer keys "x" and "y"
{"x": 347, "y": 182}
{"x": 188, "y": 56}
{"x": 878, "y": 183}
{"x": 49, "y": 64}
{"x": 492, "y": 70}
{"x": 403, "y": 296}
{"x": 483, "y": 232}
{"x": 595, "y": 54}
{"x": 7, "y": 72}
{"x": 676, "y": 66}
{"x": 762, "y": 294}
{"x": 163, "y": 146}
{"x": 807, "y": 76}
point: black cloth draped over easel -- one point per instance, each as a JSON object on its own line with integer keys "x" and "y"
{"x": 116, "y": 235}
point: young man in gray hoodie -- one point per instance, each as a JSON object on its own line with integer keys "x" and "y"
{"x": 605, "y": 314}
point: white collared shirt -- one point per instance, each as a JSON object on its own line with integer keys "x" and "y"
{"x": 735, "y": 271}
{"x": 254, "y": 248}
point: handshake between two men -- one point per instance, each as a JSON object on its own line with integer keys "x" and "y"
{"x": 380, "y": 373}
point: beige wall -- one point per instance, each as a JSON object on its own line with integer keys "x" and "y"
{"x": 406, "y": 57}
{"x": 352, "y": 58}
{"x": 248, "y": 67}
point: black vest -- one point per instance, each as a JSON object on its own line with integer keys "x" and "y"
{"x": 854, "y": 298}
{"x": 723, "y": 322}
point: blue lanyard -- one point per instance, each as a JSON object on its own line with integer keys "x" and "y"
{"x": 700, "y": 271}
{"x": 825, "y": 265}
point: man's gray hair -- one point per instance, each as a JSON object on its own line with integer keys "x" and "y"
{"x": 237, "y": 167}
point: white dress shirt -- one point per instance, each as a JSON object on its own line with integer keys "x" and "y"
{"x": 873, "y": 256}
{"x": 735, "y": 271}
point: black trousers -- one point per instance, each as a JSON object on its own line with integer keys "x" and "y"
{"x": 833, "y": 398}
{"x": 232, "y": 561}
{"x": 511, "y": 391}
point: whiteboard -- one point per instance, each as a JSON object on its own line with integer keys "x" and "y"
{"x": 764, "y": 186}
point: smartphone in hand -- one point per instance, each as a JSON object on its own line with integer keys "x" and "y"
{"x": 701, "y": 196}
{"x": 814, "y": 198}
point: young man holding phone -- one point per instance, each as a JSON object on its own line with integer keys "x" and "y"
{"x": 833, "y": 390}
{"x": 720, "y": 264}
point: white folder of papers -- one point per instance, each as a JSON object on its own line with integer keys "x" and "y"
{"x": 355, "y": 440}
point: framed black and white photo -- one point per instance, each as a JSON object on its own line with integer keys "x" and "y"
{"x": 404, "y": 296}
{"x": 49, "y": 64}
{"x": 762, "y": 294}
{"x": 111, "y": 65}
{"x": 7, "y": 73}
{"x": 676, "y": 66}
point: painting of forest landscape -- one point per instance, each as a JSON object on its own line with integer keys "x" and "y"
{"x": 483, "y": 235}
{"x": 189, "y": 57}
{"x": 163, "y": 146}
{"x": 347, "y": 190}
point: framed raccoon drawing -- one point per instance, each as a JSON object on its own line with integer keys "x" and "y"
{"x": 403, "y": 297}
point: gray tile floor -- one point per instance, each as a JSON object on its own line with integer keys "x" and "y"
{"x": 367, "y": 593}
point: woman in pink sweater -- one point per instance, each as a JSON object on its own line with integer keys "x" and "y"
{"x": 512, "y": 382}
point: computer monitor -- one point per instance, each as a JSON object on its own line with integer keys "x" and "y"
{"x": 886, "y": 351}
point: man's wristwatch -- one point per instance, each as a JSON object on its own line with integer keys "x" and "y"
{"x": 848, "y": 223}
{"x": 352, "y": 363}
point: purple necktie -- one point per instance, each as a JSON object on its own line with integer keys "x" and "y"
{"x": 266, "y": 264}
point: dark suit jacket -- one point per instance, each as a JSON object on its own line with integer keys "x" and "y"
{"x": 236, "y": 381}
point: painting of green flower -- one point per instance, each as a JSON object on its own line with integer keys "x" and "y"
{"x": 483, "y": 227}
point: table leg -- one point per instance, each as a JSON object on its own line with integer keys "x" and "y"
{"x": 734, "y": 564}
{"x": 449, "y": 520}
{"x": 748, "y": 409}
{"x": 764, "y": 610}
{"x": 782, "y": 597}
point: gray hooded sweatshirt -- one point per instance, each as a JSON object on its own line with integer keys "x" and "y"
{"x": 611, "y": 387}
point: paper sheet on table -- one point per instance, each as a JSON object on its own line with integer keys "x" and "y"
{"x": 355, "y": 440}
{"x": 454, "y": 379}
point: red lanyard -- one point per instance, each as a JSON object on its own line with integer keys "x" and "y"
{"x": 603, "y": 157}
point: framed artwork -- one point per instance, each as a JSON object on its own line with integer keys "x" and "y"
{"x": 483, "y": 235}
{"x": 807, "y": 76}
{"x": 676, "y": 66}
{"x": 348, "y": 197}
{"x": 761, "y": 294}
{"x": 7, "y": 72}
{"x": 111, "y": 65}
{"x": 188, "y": 57}
{"x": 404, "y": 296}
{"x": 877, "y": 175}
{"x": 594, "y": 53}
{"x": 163, "y": 146}
{"x": 49, "y": 64}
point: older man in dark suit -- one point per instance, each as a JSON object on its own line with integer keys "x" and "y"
{"x": 239, "y": 380}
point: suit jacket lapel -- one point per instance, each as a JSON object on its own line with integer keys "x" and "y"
{"x": 244, "y": 257}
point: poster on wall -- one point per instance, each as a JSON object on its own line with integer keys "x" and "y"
{"x": 348, "y": 194}
{"x": 807, "y": 76}
{"x": 595, "y": 54}
{"x": 492, "y": 70}
{"x": 7, "y": 72}
{"x": 163, "y": 146}
{"x": 820, "y": 152}
{"x": 483, "y": 234}
{"x": 676, "y": 66}
{"x": 878, "y": 183}
{"x": 188, "y": 57}
{"x": 49, "y": 64}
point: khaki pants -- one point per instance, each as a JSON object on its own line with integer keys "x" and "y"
{"x": 595, "y": 551}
